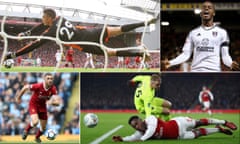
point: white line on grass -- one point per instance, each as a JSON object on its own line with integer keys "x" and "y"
{"x": 100, "y": 139}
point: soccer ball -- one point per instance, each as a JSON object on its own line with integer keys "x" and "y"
{"x": 8, "y": 63}
{"x": 90, "y": 120}
{"x": 51, "y": 135}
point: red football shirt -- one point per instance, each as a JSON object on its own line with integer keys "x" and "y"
{"x": 205, "y": 96}
{"x": 41, "y": 95}
{"x": 166, "y": 130}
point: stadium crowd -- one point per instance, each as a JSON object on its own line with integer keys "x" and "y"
{"x": 14, "y": 117}
{"x": 47, "y": 55}
{"x": 110, "y": 91}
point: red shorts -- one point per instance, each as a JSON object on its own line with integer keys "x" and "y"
{"x": 33, "y": 109}
{"x": 69, "y": 59}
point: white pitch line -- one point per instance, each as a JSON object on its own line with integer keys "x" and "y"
{"x": 100, "y": 139}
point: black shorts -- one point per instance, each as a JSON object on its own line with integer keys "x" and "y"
{"x": 92, "y": 35}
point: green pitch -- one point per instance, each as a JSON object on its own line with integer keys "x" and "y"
{"x": 109, "y": 121}
{"x": 52, "y": 69}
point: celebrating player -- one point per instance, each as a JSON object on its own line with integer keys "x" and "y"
{"x": 144, "y": 98}
{"x": 177, "y": 128}
{"x": 42, "y": 92}
{"x": 207, "y": 43}
{"x": 205, "y": 97}
{"x": 69, "y": 32}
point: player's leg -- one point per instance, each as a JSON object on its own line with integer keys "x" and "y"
{"x": 128, "y": 52}
{"x": 212, "y": 121}
{"x": 114, "y": 31}
{"x": 43, "y": 122}
{"x": 33, "y": 123}
{"x": 207, "y": 107}
{"x": 91, "y": 63}
{"x": 206, "y": 131}
{"x": 161, "y": 108}
{"x": 186, "y": 131}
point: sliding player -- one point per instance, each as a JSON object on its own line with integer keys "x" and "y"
{"x": 42, "y": 92}
{"x": 70, "y": 33}
{"x": 177, "y": 128}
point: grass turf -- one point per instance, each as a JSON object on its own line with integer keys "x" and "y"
{"x": 51, "y": 69}
{"x": 108, "y": 121}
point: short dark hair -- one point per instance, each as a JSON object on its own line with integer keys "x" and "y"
{"x": 50, "y": 12}
{"x": 211, "y": 3}
{"x": 47, "y": 74}
{"x": 155, "y": 77}
{"x": 132, "y": 118}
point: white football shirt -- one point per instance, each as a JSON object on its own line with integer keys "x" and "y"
{"x": 207, "y": 44}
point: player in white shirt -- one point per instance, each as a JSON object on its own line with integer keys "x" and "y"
{"x": 208, "y": 43}
{"x": 58, "y": 56}
{"x": 205, "y": 97}
{"x": 89, "y": 60}
{"x": 120, "y": 61}
{"x": 177, "y": 128}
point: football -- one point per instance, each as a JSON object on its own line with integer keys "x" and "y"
{"x": 90, "y": 120}
{"x": 8, "y": 63}
{"x": 51, "y": 135}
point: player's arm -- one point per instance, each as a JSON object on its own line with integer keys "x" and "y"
{"x": 32, "y": 45}
{"x": 135, "y": 81}
{"x": 151, "y": 127}
{"x": 132, "y": 138}
{"x": 183, "y": 57}
{"x": 20, "y": 94}
{"x": 200, "y": 97}
{"x": 35, "y": 30}
{"x": 226, "y": 58}
{"x": 211, "y": 95}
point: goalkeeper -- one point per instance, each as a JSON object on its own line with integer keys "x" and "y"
{"x": 144, "y": 98}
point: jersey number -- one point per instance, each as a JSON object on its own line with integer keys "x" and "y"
{"x": 139, "y": 93}
{"x": 67, "y": 29}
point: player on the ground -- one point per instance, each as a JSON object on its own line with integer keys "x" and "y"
{"x": 89, "y": 60}
{"x": 177, "y": 128}
{"x": 42, "y": 92}
{"x": 144, "y": 98}
{"x": 70, "y": 33}
{"x": 69, "y": 57}
{"x": 207, "y": 43}
{"x": 205, "y": 97}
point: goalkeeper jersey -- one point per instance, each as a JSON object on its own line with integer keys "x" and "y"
{"x": 207, "y": 44}
{"x": 144, "y": 94}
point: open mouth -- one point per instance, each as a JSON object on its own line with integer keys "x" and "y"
{"x": 205, "y": 13}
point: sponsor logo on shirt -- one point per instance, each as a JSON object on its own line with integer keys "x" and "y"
{"x": 204, "y": 46}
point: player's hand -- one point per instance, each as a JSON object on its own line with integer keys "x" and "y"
{"x": 18, "y": 100}
{"x": 235, "y": 66}
{"x": 117, "y": 138}
{"x": 165, "y": 64}
{"x": 9, "y": 55}
{"x": 21, "y": 34}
